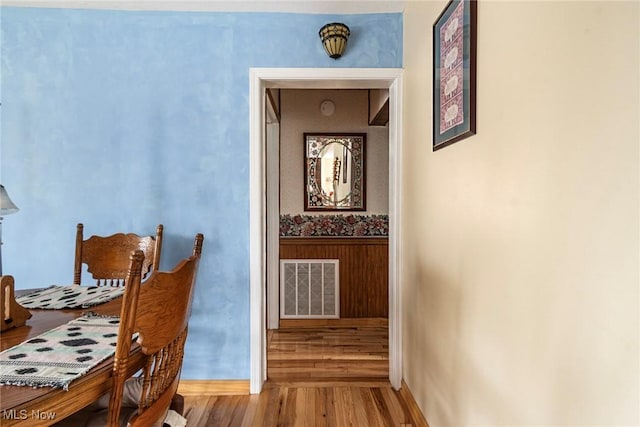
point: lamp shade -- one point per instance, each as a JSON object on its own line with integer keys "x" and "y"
{"x": 334, "y": 38}
{"x": 6, "y": 205}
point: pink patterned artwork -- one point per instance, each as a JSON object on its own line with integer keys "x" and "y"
{"x": 451, "y": 49}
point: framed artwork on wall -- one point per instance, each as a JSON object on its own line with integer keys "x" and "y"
{"x": 454, "y": 73}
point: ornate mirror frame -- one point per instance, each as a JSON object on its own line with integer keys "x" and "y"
{"x": 334, "y": 171}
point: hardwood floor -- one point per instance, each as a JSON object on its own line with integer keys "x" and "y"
{"x": 343, "y": 348}
{"x": 324, "y": 373}
{"x": 313, "y": 406}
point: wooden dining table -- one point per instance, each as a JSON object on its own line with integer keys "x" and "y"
{"x": 44, "y": 406}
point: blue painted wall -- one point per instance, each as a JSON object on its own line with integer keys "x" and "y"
{"x": 123, "y": 120}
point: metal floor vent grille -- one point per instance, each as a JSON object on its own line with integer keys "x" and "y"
{"x": 309, "y": 288}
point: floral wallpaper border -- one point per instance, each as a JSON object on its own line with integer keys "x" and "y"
{"x": 334, "y": 225}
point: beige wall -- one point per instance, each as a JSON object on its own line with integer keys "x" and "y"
{"x": 301, "y": 113}
{"x": 521, "y": 250}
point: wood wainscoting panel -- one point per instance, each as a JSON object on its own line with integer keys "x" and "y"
{"x": 372, "y": 322}
{"x": 364, "y": 269}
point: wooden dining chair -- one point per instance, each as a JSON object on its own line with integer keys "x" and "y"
{"x": 107, "y": 258}
{"x": 158, "y": 312}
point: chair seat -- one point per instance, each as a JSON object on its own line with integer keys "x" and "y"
{"x": 96, "y": 414}
{"x": 98, "y": 418}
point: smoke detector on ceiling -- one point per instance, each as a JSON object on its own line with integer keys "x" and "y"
{"x": 327, "y": 107}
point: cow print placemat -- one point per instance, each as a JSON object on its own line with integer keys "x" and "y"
{"x": 60, "y": 355}
{"x": 59, "y": 297}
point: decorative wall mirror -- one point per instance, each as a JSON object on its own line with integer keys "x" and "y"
{"x": 334, "y": 171}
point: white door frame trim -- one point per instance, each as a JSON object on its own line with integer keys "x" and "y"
{"x": 318, "y": 78}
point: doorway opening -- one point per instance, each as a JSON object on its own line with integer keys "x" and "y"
{"x": 261, "y": 187}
